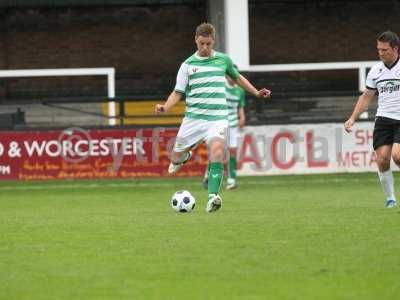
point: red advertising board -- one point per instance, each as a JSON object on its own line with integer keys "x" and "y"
{"x": 75, "y": 153}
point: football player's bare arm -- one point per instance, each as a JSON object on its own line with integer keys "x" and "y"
{"x": 245, "y": 84}
{"x": 172, "y": 100}
{"x": 362, "y": 103}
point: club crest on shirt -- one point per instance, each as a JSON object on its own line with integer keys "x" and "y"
{"x": 193, "y": 70}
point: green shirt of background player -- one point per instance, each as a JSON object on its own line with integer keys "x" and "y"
{"x": 235, "y": 97}
{"x": 202, "y": 79}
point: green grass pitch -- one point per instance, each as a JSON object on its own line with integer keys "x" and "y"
{"x": 276, "y": 237}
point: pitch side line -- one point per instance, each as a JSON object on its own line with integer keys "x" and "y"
{"x": 197, "y": 183}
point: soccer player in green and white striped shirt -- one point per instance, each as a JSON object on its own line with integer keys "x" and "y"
{"x": 201, "y": 78}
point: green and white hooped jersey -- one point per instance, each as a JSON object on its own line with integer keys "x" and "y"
{"x": 235, "y": 97}
{"x": 202, "y": 80}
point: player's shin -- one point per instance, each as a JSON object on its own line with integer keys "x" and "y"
{"x": 386, "y": 179}
{"x": 232, "y": 167}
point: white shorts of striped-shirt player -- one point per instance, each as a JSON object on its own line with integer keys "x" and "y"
{"x": 233, "y": 137}
{"x": 193, "y": 132}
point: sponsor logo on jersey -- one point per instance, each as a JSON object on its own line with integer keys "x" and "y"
{"x": 389, "y": 87}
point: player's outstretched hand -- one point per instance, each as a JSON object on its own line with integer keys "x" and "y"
{"x": 348, "y": 125}
{"x": 159, "y": 109}
{"x": 264, "y": 93}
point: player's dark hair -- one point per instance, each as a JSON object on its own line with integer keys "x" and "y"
{"x": 205, "y": 29}
{"x": 389, "y": 37}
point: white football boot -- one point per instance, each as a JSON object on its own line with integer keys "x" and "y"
{"x": 231, "y": 184}
{"x": 214, "y": 203}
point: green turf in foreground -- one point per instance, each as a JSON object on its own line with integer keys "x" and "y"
{"x": 289, "y": 237}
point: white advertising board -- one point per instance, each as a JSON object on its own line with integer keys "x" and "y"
{"x": 305, "y": 149}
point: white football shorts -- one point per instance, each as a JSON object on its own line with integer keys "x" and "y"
{"x": 192, "y": 132}
{"x": 233, "y": 136}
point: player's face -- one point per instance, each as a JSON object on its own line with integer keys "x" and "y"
{"x": 387, "y": 54}
{"x": 205, "y": 45}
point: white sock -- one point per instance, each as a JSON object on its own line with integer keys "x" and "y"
{"x": 231, "y": 181}
{"x": 386, "y": 179}
{"x": 206, "y": 173}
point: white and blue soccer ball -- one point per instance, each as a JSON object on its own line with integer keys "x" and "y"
{"x": 183, "y": 201}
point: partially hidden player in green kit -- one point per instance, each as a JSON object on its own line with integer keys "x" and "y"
{"x": 235, "y": 97}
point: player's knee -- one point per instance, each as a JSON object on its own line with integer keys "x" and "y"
{"x": 396, "y": 158}
{"x": 383, "y": 162}
{"x": 217, "y": 153}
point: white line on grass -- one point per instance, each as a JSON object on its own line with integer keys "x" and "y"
{"x": 133, "y": 184}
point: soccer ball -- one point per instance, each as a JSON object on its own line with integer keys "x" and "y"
{"x": 183, "y": 201}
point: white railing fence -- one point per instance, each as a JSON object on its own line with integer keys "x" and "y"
{"x": 361, "y": 66}
{"x": 109, "y": 72}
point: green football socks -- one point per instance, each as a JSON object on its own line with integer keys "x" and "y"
{"x": 215, "y": 175}
{"x": 232, "y": 168}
